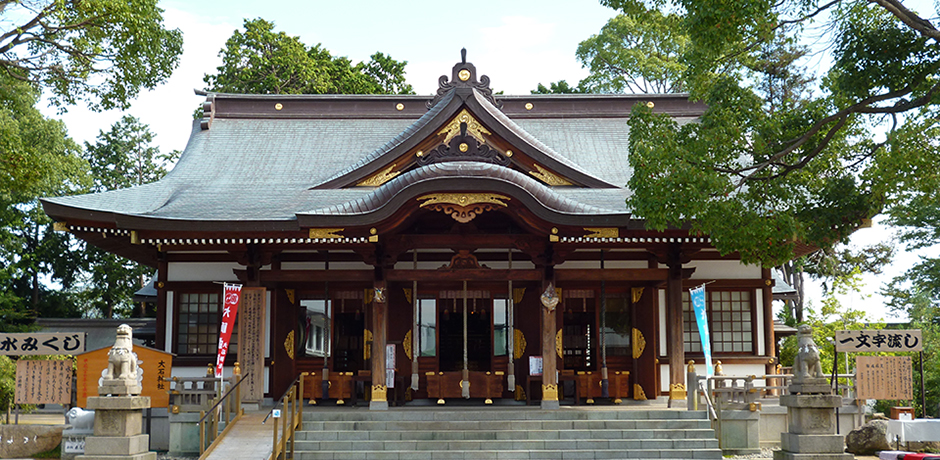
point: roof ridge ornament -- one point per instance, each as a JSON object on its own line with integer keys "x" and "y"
{"x": 464, "y": 75}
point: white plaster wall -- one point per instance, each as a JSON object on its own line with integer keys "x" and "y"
{"x": 662, "y": 323}
{"x": 723, "y": 269}
{"x": 759, "y": 324}
{"x": 202, "y": 271}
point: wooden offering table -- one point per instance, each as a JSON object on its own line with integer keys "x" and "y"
{"x": 341, "y": 387}
{"x": 443, "y": 385}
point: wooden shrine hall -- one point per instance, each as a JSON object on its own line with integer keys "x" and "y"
{"x": 460, "y": 246}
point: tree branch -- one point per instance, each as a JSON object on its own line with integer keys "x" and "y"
{"x": 909, "y": 18}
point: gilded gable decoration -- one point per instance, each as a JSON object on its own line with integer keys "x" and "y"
{"x": 474, "y": 128}
{"x": 599, "y": 232}
{"x": 549, "y": 177}
{"x": 326, "y": 233}
{"x": 463, "y": 207}
{"x": 380, "y": 177}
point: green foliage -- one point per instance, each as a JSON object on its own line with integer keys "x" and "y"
{"x": 98, "y": 52}
{"x": 561, "y": 87}
{"x": 7, "y": 382}
{"x": 636, "y": 53}
{"x": 772, "y": 165}
{"x": 263, "y": 61}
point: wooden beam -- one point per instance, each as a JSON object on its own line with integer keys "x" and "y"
{"x": 294, "y": 276}
{"x": 613, "y": 274}
{"x": 469, "y": 274}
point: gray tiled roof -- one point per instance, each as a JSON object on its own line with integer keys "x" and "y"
{"x": 263, "y": 169}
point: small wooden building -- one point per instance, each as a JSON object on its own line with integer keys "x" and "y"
{"x": 435, "y": 225}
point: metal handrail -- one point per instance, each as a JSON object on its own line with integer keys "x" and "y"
{"x": 213, "y": 419}
{"x": 293, "y": 395}
{"x": 703, "y": 387}
{"x": 222, "y": 399}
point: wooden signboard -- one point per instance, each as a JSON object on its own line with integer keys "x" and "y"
{"x": 882, "y": 340}
{"x": 884, "y": 377}
{"x": 156, "y": 364}
{"x": 251, "y": 342}
{"x": 42, "y": 343}
{"x": 43, "y": 382}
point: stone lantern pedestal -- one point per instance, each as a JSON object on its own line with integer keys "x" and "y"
{"x": 118, "y": 429}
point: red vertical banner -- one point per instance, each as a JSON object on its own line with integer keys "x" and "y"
{"x": 229, "y": 310}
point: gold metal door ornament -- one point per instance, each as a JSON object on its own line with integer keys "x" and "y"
{"x": 406, "y": 344}
{"x": 638, "y": 393}
{"x": 289, "y": 344}
{"x": 558, "y": 343}
{"x": 518, "y": 344}
{"x": 639, "y": 343}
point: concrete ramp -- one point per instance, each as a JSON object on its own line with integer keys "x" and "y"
{"x": 248, "y": 439}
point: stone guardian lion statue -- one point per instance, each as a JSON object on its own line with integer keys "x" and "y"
{"x": 806, "y": 365}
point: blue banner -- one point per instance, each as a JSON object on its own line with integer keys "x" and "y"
{"x": 697, "y": 296}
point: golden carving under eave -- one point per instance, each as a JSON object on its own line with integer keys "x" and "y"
{"x": 638, "y": 393}
{"x": 463, "y": 207}
{"x": 558, "y": 343}
{"x": 379, "y": 393}
{"x": 289, "y": 344}
{"x": 406, "y": 344}
{"x": 518, "y": 344}
{"x": 474, "y": 128}
{"x": 408, "y": 295}
{"x": 549, "y": 177}
{"x": 639, "y": 343}
{"x": 380, "y": 177}
{"x": 636, "y": 293}
{"x": 517, "y": 295}
{"x": 601, "y": 232}
{"x": 366, "y": 344}
{"x": 326, "y": 233}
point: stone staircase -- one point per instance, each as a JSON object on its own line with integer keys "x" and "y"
{"x": 506, "y": 433}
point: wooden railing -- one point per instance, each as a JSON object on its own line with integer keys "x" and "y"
{"x": 225, "y": 408}
{"x": 292, "y": 403}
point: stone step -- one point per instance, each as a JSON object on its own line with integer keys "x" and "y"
{"x": 419, "y": 435}
{"x": 464, "y": 425}
{"x": 559, "y": 445}
{"x": 512, "y": 454}
{"x": 498, "y": 414}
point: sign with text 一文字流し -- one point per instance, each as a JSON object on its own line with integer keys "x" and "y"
{"x": 42, "y": 343}
{"x": 880, "y": 340}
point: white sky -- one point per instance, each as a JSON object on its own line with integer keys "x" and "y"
{"x": 518, "y": 44}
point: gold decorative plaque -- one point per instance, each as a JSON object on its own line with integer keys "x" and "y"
{"x": 406, "y": 344}
{"x": 636, "y": 294}
{"x": 380, "y": 177}
{"x": 379, "y": 393}
{"x": 463, "y": 207}
{"x": 326, "y": 233}
{"x": 677, "y": 391}
{"x": 463, "y": 75}
{"x": 599, "y": 232}
{"x": 518, "y": 344}
{"x": 558, "y": 343}
{"x": 474, "y": 128}
{"x": 549, "y": 177}
{"x": 638, "y": 393}
{"x": 289, "y": 344}
{"x": 639, "y": 343}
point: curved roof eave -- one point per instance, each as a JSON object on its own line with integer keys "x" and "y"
{"x": 541, "y": 200}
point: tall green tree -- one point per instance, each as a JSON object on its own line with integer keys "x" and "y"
{"x": 37, "y": 158}
{"x": 762, "y": 178}
{"x": 99, "y": 52}
{"x": 260, "y": 60}
{"x": 636, "y": 53}
{"x": 122, "y": 157}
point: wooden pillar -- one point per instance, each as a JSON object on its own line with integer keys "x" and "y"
{"x": 675, "y": 347}
{"x": 160, "y": 285}
{"x": 379, "y": 332}
{"x": 770, "y": 341}
{"x": 549, "y": 300}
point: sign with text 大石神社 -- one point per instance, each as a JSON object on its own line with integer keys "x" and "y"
{"x": 43, "y": 382}
{"x": 42, "y": 343}
{"x": 156, "y": 364}
{"x": 881, "y": 340}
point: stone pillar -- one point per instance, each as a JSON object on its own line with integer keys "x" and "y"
{"x": 549, "y": 300}
{"x": 379, "y": 400}
{"x": 118, "y": 433}
{"x": 810, "y": 409}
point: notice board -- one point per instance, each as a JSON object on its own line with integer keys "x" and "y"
{"x": 884, "y": 377}
{"x": 43, "y": 382}
{"x": 156, "y": 365}
{"x": 251, "y": 313}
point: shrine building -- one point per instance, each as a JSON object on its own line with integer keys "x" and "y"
{"x": 461, "y": 246}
